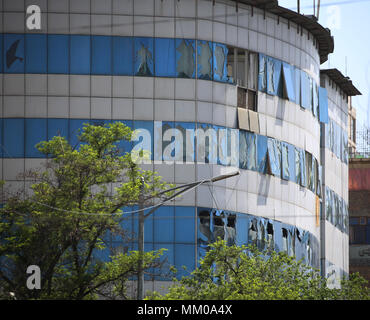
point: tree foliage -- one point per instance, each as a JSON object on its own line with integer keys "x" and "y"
{"x": 244, "y": 273}
{"x": 65, "y": 224}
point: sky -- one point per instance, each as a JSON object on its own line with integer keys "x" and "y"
{"x": 349, "y": 22}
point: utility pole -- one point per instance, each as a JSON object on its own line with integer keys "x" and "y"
{"x": 142, "y": 217}
{"x": 140, "y": 273}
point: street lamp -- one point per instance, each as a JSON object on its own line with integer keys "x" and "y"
{"x": 142, "y": 217}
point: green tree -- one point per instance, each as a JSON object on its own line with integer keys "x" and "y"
{"x": 65, "y": 225}
{"x": 233, "y": 273}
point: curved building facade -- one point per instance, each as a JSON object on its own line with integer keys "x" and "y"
{"x": 210, "y": 86}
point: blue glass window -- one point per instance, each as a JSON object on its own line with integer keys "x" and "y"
{"x": 262, "y": 73}
{"x": 144, "y": 137}
{"x": 288, "y": 81}
{"x": 148, "y": 227}
{"x": 184, "y": 224}
{"x": 164, "y": 224}
{"x": 304, "y": 180}
{"x": 297, "y": 159}
{"x": 291, "y": 161}
{"x": 241, "y": 229}
{"x": 101, "y": 56}
{"x": 57, "y": 127}
{"x": 184, "y": 257}
{"x": 14, "y": 53}
{"x": 122, "y": 56}
{"x": 273, "y": 76}
{"x": 206, "y": 136}
{"x": 242, "y": 149}
{"x": 297, "y": 81}
{"x": 315, "y": 98}
{"x": 185, "y": 58}
{"x": 323, "y": 105}
{"x": 169, "y": 257}
{"x": 187, "y": 130}
{"x": 144, "y": 57}
{"x": 285, "y": 161}
{"x": 274, "y": 156}
{"x": 36, "y": 131}
{"x": 220, "y": 53}
{"x": 305, "y": 91}
{"x": 75, "y": 129}
{"x": 165, "y": 60}
{"x": 125, "y": 145}
{"x": 58, "y": 54}
{"x": 36, "y": 53}
{"x": 80, "y": 54}
{"x": 261, "y": 154}
{"x": 13, "y": 138}
{"x": 204, "y": 49}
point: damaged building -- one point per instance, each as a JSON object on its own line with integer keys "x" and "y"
{"x": 245, "y": 74}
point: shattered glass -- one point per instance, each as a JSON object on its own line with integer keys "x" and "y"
{"x": 220, "y": 53}
{"x": 144, "y": 57}
{"x": 185, "y": 58}
{"x": 204, "y": 60}
{"x": 274, "y": 156}
{"x": 285, "y": 160}
{"x": 262, "y": 74}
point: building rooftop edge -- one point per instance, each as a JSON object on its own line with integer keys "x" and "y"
{"x": 345, "y": 83}
{"x": 322, "y": 35}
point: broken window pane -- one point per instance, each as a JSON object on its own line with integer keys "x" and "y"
{"x": 185, "y": 58}
{"x": 144, "y": 57}
{"x": 205, "y": 235}
{"x": 288, "y": 82}
{"x": 291, "y": 162}
{"x": 261, "y": 154}
{"x": 230, "y": 236}
{"x": 303, "y": 168}
{"x": 253, "y": 70}
{"x": 262, "y": 74}
{"x": 323, "y": 105}
{"x": 218, "y": 225}
{"x": 261, "y": 234}
{"x": 285, "y": 240}
{"x": 165, "y": 57}
{"x": 285, "y": 161}
{"x": 251, "y": 151}
{"x": 297, "y": 165}
{"x": 309, "y": 170}
{"x": 315, "y": 99}
{"x": 253, "y": 232}
{"x": 220, "y": 53}
{"x": 270, "y": 236}
{"x": 274, "y": 156}
{"x": 204, "y": 60}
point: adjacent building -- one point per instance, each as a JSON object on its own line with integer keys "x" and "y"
{"x": 211, "y": 86}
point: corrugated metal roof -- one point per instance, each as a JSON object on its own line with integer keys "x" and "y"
{"x": 310, "y": 23}
{"x": 342, "y": 81}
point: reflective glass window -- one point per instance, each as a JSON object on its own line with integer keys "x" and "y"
{"x": 204, "y": 49}
{"x": 184, "y": 224}
{"x": 36, "y": 131}
{"x": 58, "y": 54}
{"x": 101, "y": 56}
{"x": 297, "y": 77}
{"x": 36, "y": 53}
{"x": 274, "y": 156}
{"x": 304, "y": 178}
{"x": 164, "y": 224}
{"x": 185, "y": 58}
{"x": 123, "y": 56}
{"x": 220, "y": 53}
{"x": 262, "y": 73}
{"x": 297, "y": 159}
{"x": 315, "y": 99}
{"x": 291, "y": 162}
{"x": 305, "y": 91}
{"x": 165, "y": 60}
{"x": 285, "y": 161}
{"x": 80, "y": 54}
{"x": 205, "y": 235}
{"x": 124, "y": 145}
{"x": 273, "y": 76}
{"x": 144, "y": 57}
{"x": 323, "y": 105}
{"x": 288, "y": 81}
{"x": 57, "y": 127}
{"x": 75, "y": 129}
{"x": 13, "y": 138}
{"x": 261, "y": 154}
{"x": 186, "y": 131}
{"x": 206, "y": 143}
{"x": 14, "y": 53}
{"x": 144, "y": 131}
{"x": 184, "y": 257}
{"x": 242, "y": 149}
